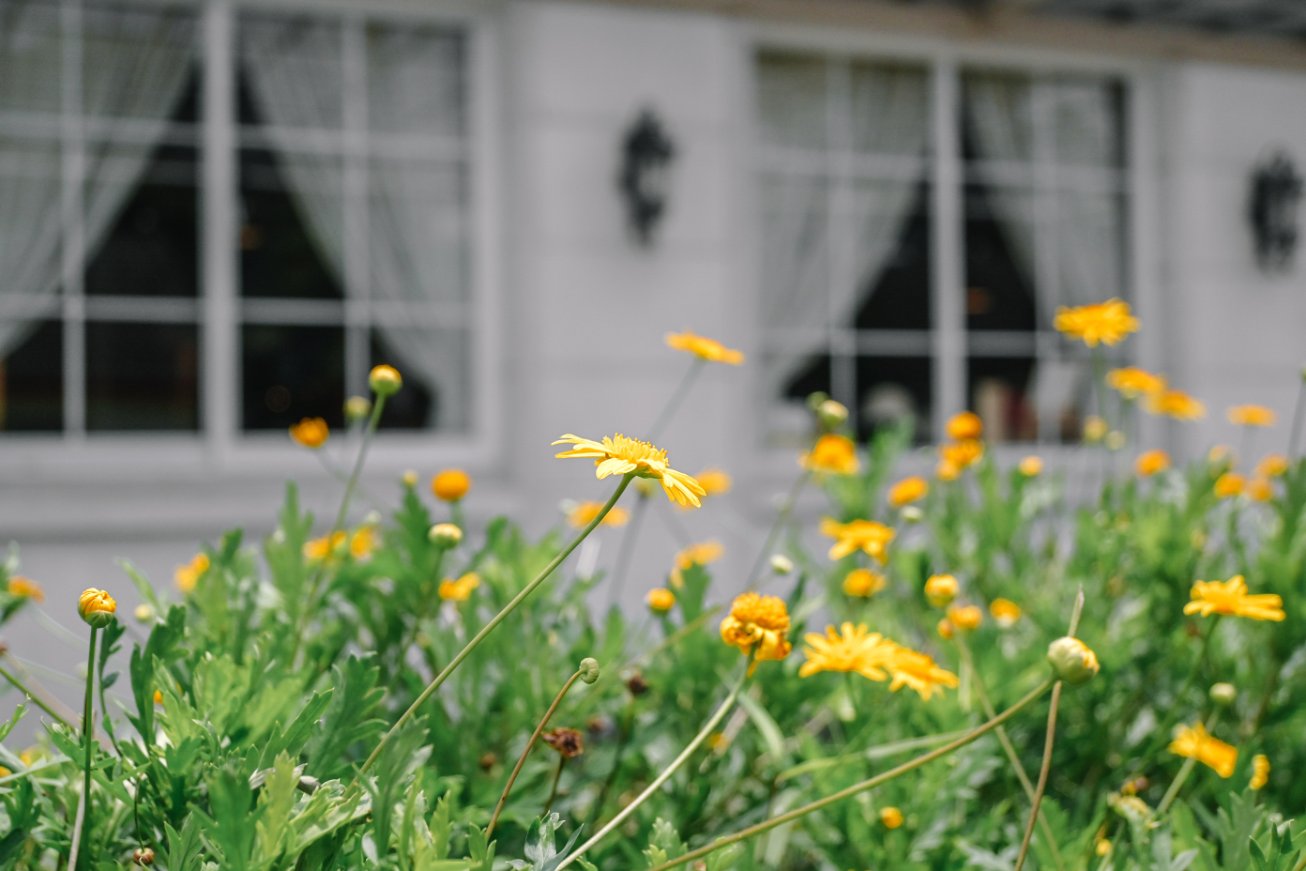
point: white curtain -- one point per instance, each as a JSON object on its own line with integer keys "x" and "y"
{"x": 416, "y": 209}
{"x": 135, "y": 65}
{"x": 826, "y": 235}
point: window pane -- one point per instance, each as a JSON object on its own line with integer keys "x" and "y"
{"x": 1091, "y": 236}
{"x": 142, "y": 376}
{"x": 291, "y": 372}
{"x": 31, "y": 377}
{"x": 31, "y": 56}
{"x": 292, "y": 72}
{"x": 998, "y": 116}
{"x": 890, "y": 109}
{"x": 417, "y": 226}
{"x": 142, "y": 219}
{"x": 891, "y": 390}
{"x": 136, "y": 61}
{"x": 792, "y": 100}
{"x": 1001, "y": 262}
{"x": 1088, "y": 117}
{"x": 415, "y": 80}
{"x": 795, "y": 251}
{"x": 1022, "y": 399}
{"x": 292, "y": 231}
{"x": 437, "y": 381}
{"x": 30, "y": 246}
{"x": 891, "y": 258}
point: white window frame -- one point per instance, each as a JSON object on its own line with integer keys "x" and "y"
{"x": 219, "y": 447}
{"x": 946, "y": 59}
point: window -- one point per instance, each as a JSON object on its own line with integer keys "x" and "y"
{"x": 857, "y": 300}
{"x": 230, "y": 265}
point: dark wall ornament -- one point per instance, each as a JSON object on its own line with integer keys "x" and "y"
{"x": 1272, "y": 210}
{"x": 644, "y": 180}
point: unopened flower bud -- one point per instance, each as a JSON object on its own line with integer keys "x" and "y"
{"x": 385, "y": 380}
{"x": 143, "y": 856}
{"x": 409, "y": 478}
{"x": 815, "y": 399}
{"x": 357, "y": 408}
{"x": 1224, "y": 694}
{"x": 781, "y": 564}
{"x": 1095, "y": 429}
{"x": 96, "y": 607}
{"x": 911, "y": 514}
{"x": 832, "y": 414}
{"x": 445, "y": 535}
{"x": 589, "y": 669}
{"x": 144, "y": 613}
{"x": 1115, "y": 440}
{"x": 1072, "y": 660}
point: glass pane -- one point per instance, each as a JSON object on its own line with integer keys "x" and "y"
{"x": 30, "y": 246}
{"x": 142, "y": 376}
{"x": 31, "y": 56}
{"x": 137, "y": 62}
{"x": 1090, "y": 233}
{"x": 997, "y": 116}
{"x": 1088, "y": 120}
{"x": 1000, "y": 260}
{"x": 795, "y": 251}
{"x": 289, "y": 373}
{"x": 292, "y": 72}
{"x": 891, "y": 390}
{"x": 436, "y": 365}
{"x": 1021, "y": 399}
{"x": 417, "y": 225}
{"x": 891, "y": 257}
{"x": 890, "y": 111}
{"x": 791, "y": 100}
{"x": 142, "y": 221}
{"x": 292, "y": 225}
{"x": 416, "y": 80}
{"x": 31, "y": 377}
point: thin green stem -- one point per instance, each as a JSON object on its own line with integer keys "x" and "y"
{"x": 1184, "y": 771}
{"x": 781, "y": 519}
{"x": 553, "y": 787}
{"x": 495, "y": 621}
{"x": 673, "y": 401}
{"x": 40, "y": 702}
{"x": 671, "y": 769}
{"x": 863, "y": 786}
{"x": 627, "y": 548}
{"x": 1048, "y": 742}
{"x": 530, "y": 743}
{"x": 368, "y": 433}
{"x": 82, "y": 822}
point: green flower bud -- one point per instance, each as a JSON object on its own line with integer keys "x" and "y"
{"x": 357, "y": 408}
{"x": 832, "y": 414}
{"x": 385, "y": 380}
{"x": 1224, "y": 694}
{"x": 1072, "y": 660}
{"x": 445, "y": 535}
{"x": 589, "y": 669}
{"x": 781, "y": 564}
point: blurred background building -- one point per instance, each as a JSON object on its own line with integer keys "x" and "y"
{"x": 216, "y": 215}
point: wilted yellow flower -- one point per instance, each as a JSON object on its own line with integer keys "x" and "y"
{"x": 907, "y": 491}
{"x": 760, "y": 622}
{"x": 620, "y": 455}
{"x": 1031, "y": 466}
{"x": 1272, "y": 466}
{"x": 891, "y": 818}
{"x": 1005, "y": 612}
{"x": 1175, "y": 404}
{"x": 584, "y": 512}
{"x": 1251, "y": 415}
{"x": 1231, "y": 598}
{"x": 832, "y": 454}
{"x": 1095, "y": 429}
{"x": 451, "y": 485}
{"x": 661, "y": 599}
{"x": 1260, "y": 490}
{"x": 1194, "y": 742}
{"x": 964, "y": 426}
{"x": 869, "y": 536}
{"x": 1151, "y": 462}
{"x": 704, "y": 348}
{"x": 385, "y": 380}
{"x": 461, "y": 589}
{"x": 1260, "y": 771}
{"x": 311, "y": 432}
{"x": 918, "y": 671}
{"x": 1132, "y": 382}
{"x": 187, "y": 575}
{"x": 26, "y": 588}
{"x": 1229, "y": 484}
{"x": 966, "y": 618}
{"x": 941, "y": 589}
{"x": 96, "y": 607}
{"x": 862, "y": 583}
{"x": 962, "y": 454}
{"x": 852, "y": 649}
{"x": 1104, "y": 322}
{"x": 714, "y": 481}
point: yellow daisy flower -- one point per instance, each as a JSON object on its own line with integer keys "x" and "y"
{"x": 459, "y": 590}
{"x": 699, "y": 554}
{"x": 965, "y": 618}
{"x": 1260, "y": 490}
{"x": 1101, "y": 323}
{"x": 661, "y": 599}
{"x": 584, "y": 512}
{"x": 704, "y": 348}
{"x": 714, "y": 481}
{"x": 1231, "y": 598}
{"x": 832, "y": 454}
{"x": 451, "y": 485}
{"x": 1005, "y": 612}
{"x": 941, "y": 589}
{"x": 870, "y": 537}
{"x": 851, "y": 649}
{"x": 962, "y": 454}
{"x": 1272, "y": 466}
{"x": 1150, "y": 463}
{"x": 964, "y": 426}
{"x": 1132, "y": 382}
{"x": 919, "y": 672}
{"x": 1194, "y": 742}
{"x": 187, "y": 575}
{"x": 1175, "y": 404}
{"x": 26, "y": 588}
{"x": 1251, "y": 415}
{"x": 760, "y": 622}
{"x": 863, "y": 583}
{"x": 891, "y": 818}
{"x": 620, "y": 455}
{"x": 907, "y": 491}
{"x": 1260, "y": 771}
{"x": 311, "y": 432}
{"x": 1229, "y": 484}
{"x": 1031, "y": 466}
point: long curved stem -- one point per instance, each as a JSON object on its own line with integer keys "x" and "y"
{"x": 869, "y": 783}
{"x": 1048, "y": 742}
{"x": 88, "y": 730}
{"x": 494, "y": 622}
{"x": 521, "y": 760}
{"x": 673, "y": 402}
{"x": 662, "y": 778}
{"x": 40, "y": 702}
{"x": 781, "y": 519}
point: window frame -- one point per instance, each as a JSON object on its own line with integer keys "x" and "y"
{"x": 219, "y": 446}
{"x": 945, "y": 60}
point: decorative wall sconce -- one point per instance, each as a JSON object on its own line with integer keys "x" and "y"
{"x": 1272, "y": 210}
{"x": 646, "y": 155}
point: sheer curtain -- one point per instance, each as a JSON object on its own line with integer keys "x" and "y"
{"x": 829, "y": 221}
{"x": 416, "y": 208}
{"x": 135, "y": 65}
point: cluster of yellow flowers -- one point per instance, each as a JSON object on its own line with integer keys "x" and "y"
{"x": 964, "y": 448}
{"x": 855, "y": 649}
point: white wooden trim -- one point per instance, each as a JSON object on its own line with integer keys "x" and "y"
{"x": 947, "y": 248}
